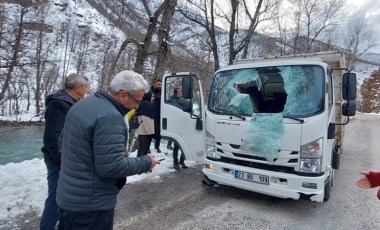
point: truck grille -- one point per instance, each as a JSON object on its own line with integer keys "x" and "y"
{"x": 286, "y": 161}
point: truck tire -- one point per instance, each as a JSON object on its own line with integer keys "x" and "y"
{"x": 327, "y": 190}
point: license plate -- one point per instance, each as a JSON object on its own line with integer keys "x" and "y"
{"x": 251, "y": 177}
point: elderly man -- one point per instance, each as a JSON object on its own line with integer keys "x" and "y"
{"x": 57, "y": 106}
{"x": 94, "y": 163}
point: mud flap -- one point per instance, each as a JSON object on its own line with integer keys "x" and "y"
{"x": 336, "y": 160}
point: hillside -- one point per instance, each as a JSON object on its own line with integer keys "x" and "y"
{"x": 62, "y": 36}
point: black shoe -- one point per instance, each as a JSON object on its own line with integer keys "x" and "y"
{"x": 183, "y": 165}
{"x": 158, "y": 150}
{"x": 176, "y": 167}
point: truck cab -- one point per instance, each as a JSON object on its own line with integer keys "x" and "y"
{"x": 270, "y": 125}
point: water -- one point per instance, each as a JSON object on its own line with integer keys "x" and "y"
{"x": 19, "y": 143}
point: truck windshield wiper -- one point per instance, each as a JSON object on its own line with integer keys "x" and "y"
{"x": 229, "y": 113}
{"x": 294, "y": 118}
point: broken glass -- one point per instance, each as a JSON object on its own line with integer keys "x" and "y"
{"x": 264, "y": 135}
{"x": 303, "y": 85}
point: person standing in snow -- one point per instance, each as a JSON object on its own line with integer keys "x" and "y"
{"x": 156, "y": 90}
{"x": 145, "y": 115}
{"x": 94, "y": 164}
{"x": 57, "y": 106}
{"x": 178, "y": 101}
{"x": 370, "y": 180}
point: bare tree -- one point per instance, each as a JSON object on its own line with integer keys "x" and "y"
{"x": 15, "y": 46}
{"x": 359, "y": 39}
{"x": 203, "y": 13}
{"x": 313, "y": 19}
{"x": 41, "y": 59}
{"x": 144, "y": 49}
{"x": 163, "y": 37}
{"x": 83, "y": 51}
{"x": 263, "y": 12}
{"x": 240, "y": 39}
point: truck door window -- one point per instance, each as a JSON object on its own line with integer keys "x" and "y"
{"x": 173, "y": 95}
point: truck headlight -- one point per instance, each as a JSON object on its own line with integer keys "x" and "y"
{"x": 210, "y": 145}
{"x": 311, "y": 157}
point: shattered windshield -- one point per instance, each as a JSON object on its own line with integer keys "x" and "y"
{"x": 295, "y": 91}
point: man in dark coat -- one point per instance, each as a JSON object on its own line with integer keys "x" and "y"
{"x": 57, "y": 106}
{"x": 156, "y": 90}
{"x": 178, "y": 101}
{"x": 94, "y": 162}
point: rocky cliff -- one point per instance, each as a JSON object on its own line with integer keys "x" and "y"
{"x": 370, "y": 90}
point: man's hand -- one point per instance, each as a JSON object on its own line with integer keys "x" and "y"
{"x": 363, "y": 182}
{"x": 154, "y": 161}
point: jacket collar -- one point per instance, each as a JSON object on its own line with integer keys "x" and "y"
{"x": 101, "y": 94}
{"x": 61, "y": 95}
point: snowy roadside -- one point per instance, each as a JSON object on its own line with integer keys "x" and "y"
{"x": 24, "y": 185}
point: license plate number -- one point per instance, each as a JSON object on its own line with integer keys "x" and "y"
{"x": 251, "y": 177}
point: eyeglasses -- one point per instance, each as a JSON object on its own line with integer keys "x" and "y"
{"x": 134, "y": 99}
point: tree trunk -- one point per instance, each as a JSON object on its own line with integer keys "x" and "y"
{"x": 143, "y": 50}
{"x": 163, "y": 36}
{"x": 16, "y": 50}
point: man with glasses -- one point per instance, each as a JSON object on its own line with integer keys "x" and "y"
{"x": 94, "y": 163}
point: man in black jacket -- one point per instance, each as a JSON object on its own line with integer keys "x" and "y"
{"x": 94, "y": 163}
{"x": 156, "y": 90}
{"x": 57, "y": 106}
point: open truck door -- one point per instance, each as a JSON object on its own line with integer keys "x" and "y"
{"x": 183, "y": 114}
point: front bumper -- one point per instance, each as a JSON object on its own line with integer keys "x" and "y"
{"x": 281, "y": 185}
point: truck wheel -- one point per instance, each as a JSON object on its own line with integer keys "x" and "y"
{"x": 327, "y": 191}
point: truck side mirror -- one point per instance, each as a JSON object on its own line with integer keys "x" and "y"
{"x": 186, "y": 106}
{"x": 349, "y": 86}
{"x": 187, "y": 85}
{"x": 349, "y": 109}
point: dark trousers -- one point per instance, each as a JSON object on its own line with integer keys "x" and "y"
{"x": 175, "y": 156}
{"x": 51, "y": 214}
{"x": 157, "y": 133}
{"x": 98, "y": 220}
{"x": 144, "y": 145}
{"x": 157, "y": 141}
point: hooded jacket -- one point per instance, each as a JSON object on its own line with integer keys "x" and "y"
{"x": 57, "y": 106}
{"x": 94, "y": 163}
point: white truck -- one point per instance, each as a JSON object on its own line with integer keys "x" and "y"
{"x": 272, "y": 125}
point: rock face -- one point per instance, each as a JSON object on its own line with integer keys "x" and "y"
{"x": 370, "y": 90}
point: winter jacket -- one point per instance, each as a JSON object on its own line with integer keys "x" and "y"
{"x": 57, "y": 106}
{"x": 146, "y": 115}
{"x": 157, "y": 109}
{"x": 94, "y": 163}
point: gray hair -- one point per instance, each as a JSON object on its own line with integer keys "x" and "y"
{"x": 75, "y": 79}
{"x": 129, "y": 81}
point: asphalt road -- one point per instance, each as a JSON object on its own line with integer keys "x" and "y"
{"x": 178, "y": 200}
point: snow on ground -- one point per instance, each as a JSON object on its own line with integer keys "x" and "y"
{"x": 24, "y": 185}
